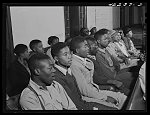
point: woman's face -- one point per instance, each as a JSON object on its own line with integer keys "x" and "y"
{"x": 130, "y": 34}
{"x": 117, "y": 37}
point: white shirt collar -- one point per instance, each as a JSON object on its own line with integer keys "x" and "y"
{"x": 63, "y": 70}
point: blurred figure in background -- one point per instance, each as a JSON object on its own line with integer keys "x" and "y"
{"x": 51, "y": 41}
{"x": 36, "y": 46}
{"x": 18, "y": 75}
{"x": 84, "y": 32}
{"x": 119, "y": 51}
{"x": 128, "y": 34}
{"x": 93, "y": 31}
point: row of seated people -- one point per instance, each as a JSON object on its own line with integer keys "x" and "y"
{"x": 72, "y": 75}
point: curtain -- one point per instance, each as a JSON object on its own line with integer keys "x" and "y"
{"x": 9, "y": 44}
{"x": 9, "y": 39}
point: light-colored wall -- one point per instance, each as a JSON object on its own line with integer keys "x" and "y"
{"x": 103, "y": 17}
{"x": 30, "y": 23}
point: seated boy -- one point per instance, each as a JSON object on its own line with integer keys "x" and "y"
{"x": 51, "y": 41}
{"x": 36, "y": 46}
{"x": 18, "y": 76}
{"x": 63, "y": 57}
{"x": 99, "y": 77}
{"x": 82, "y": 68}
{"x": 108, "y": 64}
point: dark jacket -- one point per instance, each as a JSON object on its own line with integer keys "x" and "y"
{"x": 103, "y": 72}
{"x": 18, "y": 78}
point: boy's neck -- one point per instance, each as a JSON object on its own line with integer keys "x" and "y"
{"x": 61, "y": 65}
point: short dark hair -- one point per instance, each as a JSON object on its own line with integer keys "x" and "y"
{"x": 75, "y": 43}
{"x": 33, "y": 43}
{"x": 20, "y": 48}
{"x": 33, "y": 61}
{"x": 126, "y": 30}
{"x": 55, "y": 49}
{"x": 100, "y": 33}
{"x": 51, "y": 39}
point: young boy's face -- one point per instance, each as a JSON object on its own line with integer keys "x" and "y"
{"x": 65, "y": 57}
{"x": 83, "y": 49}
{"x": 103, "y": 40}
{"x": 39, "y": 47}
{"x": 26, "y": 54}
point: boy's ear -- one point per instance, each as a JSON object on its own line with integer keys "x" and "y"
{"x": 56, "y": 58}
{"x": 37, "y": 71}
{"x": 77, "y": 50}
{"x": 34, "y": 49}
{"x": 98, "y": 41}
